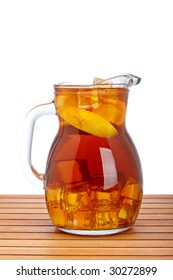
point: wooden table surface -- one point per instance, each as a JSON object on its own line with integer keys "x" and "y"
{"x": 26, "y": 232}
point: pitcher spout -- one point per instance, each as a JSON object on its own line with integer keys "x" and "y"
{"x": 124, "y": 80}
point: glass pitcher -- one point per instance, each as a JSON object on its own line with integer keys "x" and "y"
{"x": 93, "y": 176}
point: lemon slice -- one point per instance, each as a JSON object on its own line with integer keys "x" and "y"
{"x": 87, "y": 121}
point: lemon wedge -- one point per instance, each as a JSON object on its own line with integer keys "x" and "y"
{"x": 87, "y": 121}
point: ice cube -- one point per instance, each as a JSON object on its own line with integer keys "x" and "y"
{"x": 88, "y": 101}
{"x": 107, "y": 201}
{"x": 82, "y": 219}
{"x": 83, "y": 200}
{"x": 132, "y": 189}
{"x": 111, "y": 109}
{"x": 58, "y": 216}
{"x": 126, "y": 212}
{"x": 69, "y": 218}
{"x": 128, "y": 201}
{"x": 93, "y": 200}
{"x": 71, "y": 172}
{"x": 71, "y": 200}
{"x": 102, "y": 82}
{"x": 100, "y": 219}
{"x": 104, "y": 198}
{"x": 51, "y": 195}
{"x": 62, "y": 100}
{"x": 106, "y": 219}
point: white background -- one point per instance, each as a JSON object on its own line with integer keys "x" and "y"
{"x": 43, "y": 42}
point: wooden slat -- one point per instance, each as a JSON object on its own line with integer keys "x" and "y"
{"x": 47, "y": 222}
{"x": 21, "y": 200}
{"x": 38, "y": 196}
{"x": 51, "y": 228}
{"x": 156, "y": 211}
{"x": 28, "y": 216}
{"x": 41, "y": 222}
{"x": 86, "y": 251}
{"x": 26, "y": 232}
{"x": 22, "y": 196}
{"x": 56, "y": 236}
{"x": 83, "y": 243}
{"x": 43, "y": 210}
{"x": 23, "y": 210}
{"x": 38, "y": 229}
{"x": 23, "y": 206}
{"x": 157, "y": 205}
{"x": 158, "y": 200}
{"x": 119, "y": 257}
{"x": 76, "y": 257}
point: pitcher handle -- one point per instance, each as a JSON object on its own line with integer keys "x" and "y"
{"x": 26, "y": 146}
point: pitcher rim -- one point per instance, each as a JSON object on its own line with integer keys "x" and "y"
{"x": 118, "y": 81}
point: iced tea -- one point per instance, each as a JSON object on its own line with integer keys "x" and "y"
{"x": 93, "y": 177}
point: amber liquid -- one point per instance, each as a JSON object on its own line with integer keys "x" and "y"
{"x": 93, "y": 183}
